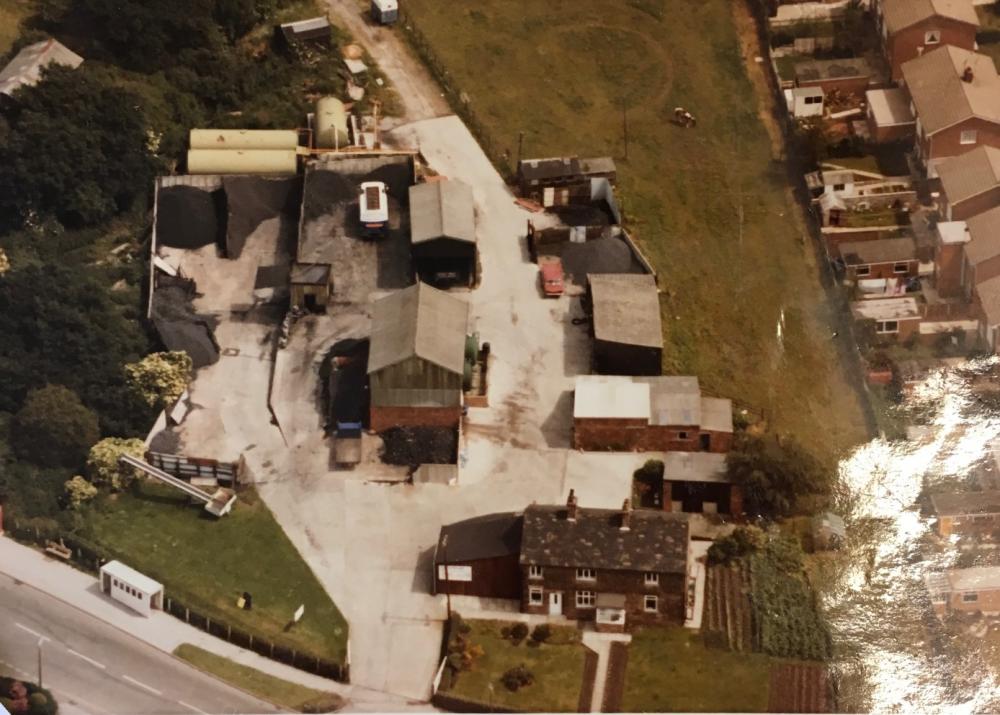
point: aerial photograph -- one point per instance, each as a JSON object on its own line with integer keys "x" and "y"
{"x": 499, "y": 356}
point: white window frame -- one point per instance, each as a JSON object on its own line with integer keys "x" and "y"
{"x": 932, "y": 37}
{"x": 536, "y": 596}
{"x": 968, "y": 136}
{"x": 586, "y": 599}
{"x": 535, "y": 572}
{"x": 900, "y": 267}
{"x": 863, "y": 270}
{"x": 651, "y": 603}
{"x": 586, "y": 575}
{"x": 651, "y": 579}
{"x": 881, "y": 327}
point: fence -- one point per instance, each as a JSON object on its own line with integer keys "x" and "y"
{"x": 188, "y": 468}
{"x": 90, "y": 558}
{"x": 458, "y": 100}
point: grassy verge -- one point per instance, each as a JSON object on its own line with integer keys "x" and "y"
{"x": 207, "y": 563}
{"x": 556, "y": 665}
{"x": 711, "y": 206}
{"x": 281, "y": 692}
{"x": 12, "y": 13}
{"x": 671, "y": 670}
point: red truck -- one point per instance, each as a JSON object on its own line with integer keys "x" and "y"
{"x": 552, "y": 276}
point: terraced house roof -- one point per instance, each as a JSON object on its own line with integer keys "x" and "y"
{"x": 900, "y": 14}
{"x": 970, "y": 174}
{"x": 984, "y": 236}
{"x": 942, "y": 98}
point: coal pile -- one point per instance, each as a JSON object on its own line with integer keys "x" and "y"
{"x": 187, "y": 217}
{"x": 413, "y": 446}
{"x": 251, "y": 200}
{"x": 179, "y": 326}
{"x": 594, "y": 214}
{"x": 602, "y": 255}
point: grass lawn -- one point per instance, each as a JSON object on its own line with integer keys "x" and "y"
{"x": 711, "y": 206}
{"x": 12, "y": 12}
{"x": 557, "y": 667}
{"x": 207, "y": 563}
{"x": 671, "y": 670}
{"x": 267, "y": 687}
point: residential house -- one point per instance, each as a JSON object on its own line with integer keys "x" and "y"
{"x": 417, "y": 358}
{"x": 971, "y": 590}
{"x": 443, "y": 232}
{"x": 967, "y": 513}
{"x": 613, "y": 567}
{"x": 26, "y": 68}
{"x": 649, "y": 414}
{"x": 911, "y": 28}
{"x": 628, "y": 334}
{"x": 956, "y": 98}
{"x": 982, "y": 252}
{"x": 890, "y": 116}
{"x": 882, "y": 258}
{"x": 559, "y": 181}
{"x": 970, "y": 183}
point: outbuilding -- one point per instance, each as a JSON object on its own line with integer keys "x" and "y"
{"x": 628, "y": 335}
{"x": 135, "y": 590}
{"x": 480, "y": 557}
{"x": 26, "y": 68}
{"x": 314, "y": 31}
{"x": 443, "y": 232}
{"x": 385, "y": 12}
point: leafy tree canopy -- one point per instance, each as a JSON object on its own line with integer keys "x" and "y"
{"x": 160, "y": 379}
{"x": 103, "y": 466}
{"x": 54, "y": 428}
{"x": 776, "y": 474}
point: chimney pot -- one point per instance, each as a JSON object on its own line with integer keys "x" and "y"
{"x": 626, "y": 516}
{"x": 571, "y": 506}
{"x": 968, "y": 75}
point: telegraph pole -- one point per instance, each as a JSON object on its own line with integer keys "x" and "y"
{"x": 40, "y": 641}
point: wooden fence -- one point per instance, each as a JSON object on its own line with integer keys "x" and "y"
{"x": 188, "y": 468}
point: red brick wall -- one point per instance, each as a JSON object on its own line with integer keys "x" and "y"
{"x": 851, "y": 85}
{"x": 905, "y": 45}
{"x": 948, "y": 142}
{"x": 895, "y": 132}
{"x": 620, "y": 435}
{"x": 885, "y": 270}
{"x": 964, "y": 210}
{"x": 670, "y": 591}
{"x": 948, "y": 270}
{"x": 491, "y": 578}
{"x": 383, "y": 418}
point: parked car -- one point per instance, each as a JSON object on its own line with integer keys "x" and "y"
{"x": 552, "y": 276}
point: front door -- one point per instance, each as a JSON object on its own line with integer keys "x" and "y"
{"x": 555, "y": 603}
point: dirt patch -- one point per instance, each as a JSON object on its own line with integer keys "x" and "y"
{"x": 413, "y": 446}
{"x": 799, "y": 688}
{"x": 614, "y": 688}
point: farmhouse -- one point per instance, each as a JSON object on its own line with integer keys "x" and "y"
{"x": 970, "y": 183}
{"x": 697, "y": 482}
{"x": 417, "y": 359}
{"x": 968, "y": 590}
{"x": 890, "y": 117}
{"x": 26, "y": 68}
{"x": 882, "y": 258}
{"x": 613, "y": 567}
{"x": 910, "y": 28}
{"x": 443, "y": 232}
{"x": 649, "y": 414}
{"x": 956, "y": 96}
{"x": 559, "y": 181}
{"x": 628, "y": 335}
{"x": 967, "y": 513}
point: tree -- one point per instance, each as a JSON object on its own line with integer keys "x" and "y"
{"x": 53, "y": 428}
{"x": 79, "y": 491}
{"x": 75, "y": 150}
{"x": 103, "y": 466}
{"x": 160, "y": 379}
{"x": 775, "y": 474}
{"x": 743, "y": 541}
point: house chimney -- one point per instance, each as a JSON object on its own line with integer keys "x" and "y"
{"x": 626, "y": 516}
{"x": 571, "y": 506}
{"x": 968, "y": 75}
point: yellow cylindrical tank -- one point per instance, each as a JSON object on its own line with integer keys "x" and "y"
{"x": 331, "y": 124}
{"x": 243, "y": 139}
{"x": 241, "y": 161}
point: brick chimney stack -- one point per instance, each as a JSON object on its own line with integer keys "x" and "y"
{"x": 571, "y": 506}
{"x": 626, "y": 516}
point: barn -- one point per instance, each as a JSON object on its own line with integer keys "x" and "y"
{"x": 628, "y": 335}
{"x": 480, "y": 557}
{"x": 443, "y": 232}
{"x": 417, "y": 358}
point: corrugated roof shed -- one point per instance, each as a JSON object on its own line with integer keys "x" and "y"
{"x": 942, "y": 98}
{"x": 626, "y": 309}
{"x": 961, "y": 503}
{"x": 716, "y": 414}
{"x": 603, "y": 396}
{"x": 900, "y": 14}
{"x": 26, "y": 67}
{"x": 482, "y": 537}
{"x": 419, "y": 321}
{"x": 442, "y": 209}
{"x": 970, "y": 174}
{"x": 674, "y": 400}
{"x": 880, "y": 250}
{"x": 984, "y": 236}
{"x": 655, "y": 541}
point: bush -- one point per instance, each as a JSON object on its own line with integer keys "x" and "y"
{"x": 541, "y": 633}
{"x": 79, "y": 491}
{"x": 161, "y": 378}
{"x": 518, "y": 632}
{"x": 53, "y": 428}
{"x": 743, "y": 541}
{"x": 103, "y": 466}
{"x": 41, "y": 704}
{"x": 326, "y": 703}
{"x": 775, "y": 474}
{"x": 517, "y": 678}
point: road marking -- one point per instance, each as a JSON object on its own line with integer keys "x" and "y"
{"x": 141, "y": 685}
{"x": 15, "y": 668}
{"x": 191, "y": 707}
{"x": 36, "y": 634}
{"x": 88, "y": 659}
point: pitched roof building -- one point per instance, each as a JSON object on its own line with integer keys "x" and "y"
{"x": 443, "y": 231}
{"x": 910, "y": 28}
{"x": 26, "y": 68}
{"x": 967, "y": 512}
{"x": 628, "y": 334}
{"x": 970, "y": 183}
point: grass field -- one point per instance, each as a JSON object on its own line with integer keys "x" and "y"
{"x": 207, "y": 563}
{"x": 557, "y": 667}
{"x": 281, "y": 692}
{"x": 12, "y": 12}
{"x": 711, "y": 206}
{"x": 671, "y": 670}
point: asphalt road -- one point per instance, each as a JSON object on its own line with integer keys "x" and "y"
{"x": 95, "y": 669}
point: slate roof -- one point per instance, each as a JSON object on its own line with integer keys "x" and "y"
{"x": 900, "y": 14}
{"x": 26, "y": 67}
{"x": 942, "y": 99}
{"x": 970, "y": 174}
{"x": 984, "y": 236}
{"x": 626, "y": 309}
{"x": 960, "y": 503}
{"x": 419, "y": 321}
{"x": 879, "y": 250}
{"x": 656, "y": 541}
{"x": 442, "y": 209}
{"x": 482, "y": 537}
